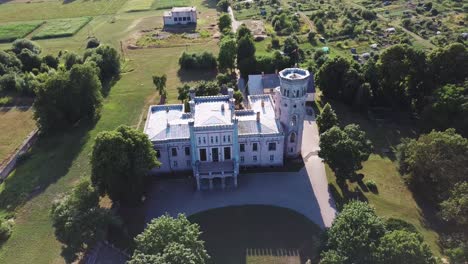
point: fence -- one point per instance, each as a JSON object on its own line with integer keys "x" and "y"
{"x": 9, "y": 166}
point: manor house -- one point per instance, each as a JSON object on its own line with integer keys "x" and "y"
{"x": 213, "y": 139}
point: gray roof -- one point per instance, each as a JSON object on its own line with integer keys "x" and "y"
{"x": 166, "y": 122}
{"x": 258, "y": 82}
{"x": 212, "y": 111}
{"x": 248, "y": 124}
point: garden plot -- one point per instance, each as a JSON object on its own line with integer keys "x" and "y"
{"x": 61, "y": 28}
{"x": 11, "y": 31}
{"x": 167, "y": 4}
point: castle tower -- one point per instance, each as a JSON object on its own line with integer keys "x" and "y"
{"x": 290, "y": 107}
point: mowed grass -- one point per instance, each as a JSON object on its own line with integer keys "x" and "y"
{"x": 15, "y": 124}
{"x": 393, "y": 198}
{"x": 258, "y": 235}
{"x": 167, "y": 4}
{"x": 11, "y": 31}
{"x": 59, "y": 161}
{"x": 61, "y": 28}
{"x": 137, "y": 5}
{"x": 43, "y": 10}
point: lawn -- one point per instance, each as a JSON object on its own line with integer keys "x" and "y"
{"x": 11, "y": 31}
{"x": 168, "y": 4}
{"x": 60, "y": 28}
{"x": 43, "y": 10}
{"x": 58, "y": 162}
{"x": 393, "y": 198}
{"x": 15, "y": 124}
{"x": 137, "y": 5}
{"x": 257, "y": 235}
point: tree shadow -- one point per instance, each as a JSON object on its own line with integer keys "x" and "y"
{"x": 196, "y": 75}
{"x": 209, "y": 3}
{"x": 108, "y": 84}
{"x": 50, "y": 159}
{"x": 385, "y": 133}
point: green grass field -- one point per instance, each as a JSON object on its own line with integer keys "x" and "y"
{"x": 258, "y": 235}
{"x": 167, "y": 4}
{"x": 11, "y": 31}
{"x": 43, "y": 10}
{"x": 16, "y": 124}
{"x": 60, "y": 28}
{"x": 137, "y": 5}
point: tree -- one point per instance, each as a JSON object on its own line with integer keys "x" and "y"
{"x": 70, "y": 59}
{"x": 29, "y": 60}
{"x": 327, "y": 119}
{"x": 20, "y": 44}
{"x": 331, "y": 77}
{"x": 79, "y": 221}
{"x": 107, "y": 60}
{"x": 50, "y": 61}
{"x": 455, "y": 208}
{"x": 170, "y": 240}
{"x": 344, "y": 150}
{"x": 223, "y": 5}
{"x": 246, "y": 55}
{"x": 434, "y": 163}
{"x": 449, "y": 64}
{"x": 93, "y": 43}
{"x": 238, "y": 97}
{"x": 227, "y": 54}
{"x": 224, "y": 23}
{"x": 183, "y": 93}
{"x": 67, "y": 97}
{"x": 403, "y": 247}
{"x": 243, "y": 31}
{"x": 354, "y": 235}
{"x": 160, "y": 83}
{"x": 120, "y": 161}
{"x": 291, "y": 48}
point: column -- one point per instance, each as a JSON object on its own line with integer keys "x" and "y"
{"x": 223, "y": 183}
{"x": 211, "y": 184}
{"x": 235, "y": 181}
{"x": 198, "y": 183}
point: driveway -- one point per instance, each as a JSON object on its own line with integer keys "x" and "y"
{"x": 234, "y": 23}
{"x": 305, "y": 191}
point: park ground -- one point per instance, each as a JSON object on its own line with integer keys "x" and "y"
{"x": 57, "y": 163}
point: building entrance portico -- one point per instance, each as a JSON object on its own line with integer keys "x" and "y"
{"x": 214, "y": 154}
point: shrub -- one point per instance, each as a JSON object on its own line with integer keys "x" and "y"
{"x": 206, "y": 60}
{"x": 372, "y": 185}
{"x": 393, "y": 224}
{"x": 93, "y": 43}
{"x": 7, "y": 100}
{"x": 5, "y": 230}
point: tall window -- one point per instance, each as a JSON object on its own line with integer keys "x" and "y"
{"x": 242, "y": 147}
{"x": 272, "y": 157}
{"x": 224, "y": 138}
{"x": 203, "y": 154}
{"x": 255, "y": 147}
{"x": 271, "y": 146}
{"x": 242, "y": 159}
{"x": 175, "y": 164}
{"x": 292, "y": 137}
{"x": 187, "y": 151}
{"x": 211, "y": 140}
{"x": 174, "y": 152}
{"x": 229, "y": 138}
{"x": 255, "y": 158}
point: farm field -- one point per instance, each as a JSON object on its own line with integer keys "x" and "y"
{"x": 58, "y": 162}
{"x": 61, "y": 28}
{"x": 11, "y": 31}
{"x": 16, "y": 125}
{"x": 137, "y": 5}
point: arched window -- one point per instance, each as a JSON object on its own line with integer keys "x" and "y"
{"x": 292, "y": 137}
{"x": 294, "y": 120}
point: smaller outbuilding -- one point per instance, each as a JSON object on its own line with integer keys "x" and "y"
{"x": 374, "y": 46}
{"x": 180, "y": 15}
{"x": 390, "y": 30}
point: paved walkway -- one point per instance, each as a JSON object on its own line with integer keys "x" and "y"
{"x": 305, "y": 191}
{"x": 234, "y": 23}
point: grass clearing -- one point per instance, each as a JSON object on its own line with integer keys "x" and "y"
{"x": 137, "y": 5}
{"x": 44, "y": 10}
{"x": 12, "y": 31}
{"x": 393, "y": 198}
{"x": 258, "y": 235}
{"x": 61, "y": 28}
{"x": 168, "y": 4}
{"x": 15, "y": 124}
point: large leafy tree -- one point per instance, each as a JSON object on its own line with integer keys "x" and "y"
{"x": 227, "y": 53}
{"x": 67, "y": 97}
{"x": 79, "y": 221}
{"x": 245, "y": 52}
{"x": 20, "y": 44}
{"x": 344, "y": 150}
{"x": 449, "y": 64}
{"x": 334, "y": 77}
{"x": 327, "y": 118}
{"x": 354, "y": 235}
{"x": 107, "y": 60}
{"x": 120, "y": 161}
{"x": 170, "y": 240}
{"x": 455, "y": 208}
{"x": 434, "y": 163}
{"x": 403, "y": 247}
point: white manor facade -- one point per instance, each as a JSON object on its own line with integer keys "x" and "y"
{"x": 180, "y": 15}
{"x": 213, "y": 140}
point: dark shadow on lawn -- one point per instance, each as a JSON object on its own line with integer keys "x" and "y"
{"x": 50, "y": 159}
{"x": 234, "y": 233}
{"x": 210, "y": 3}
{"x": 384, "y": 134}
{"x": 108, "y": 84}
{"x": 196, "y": 75}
